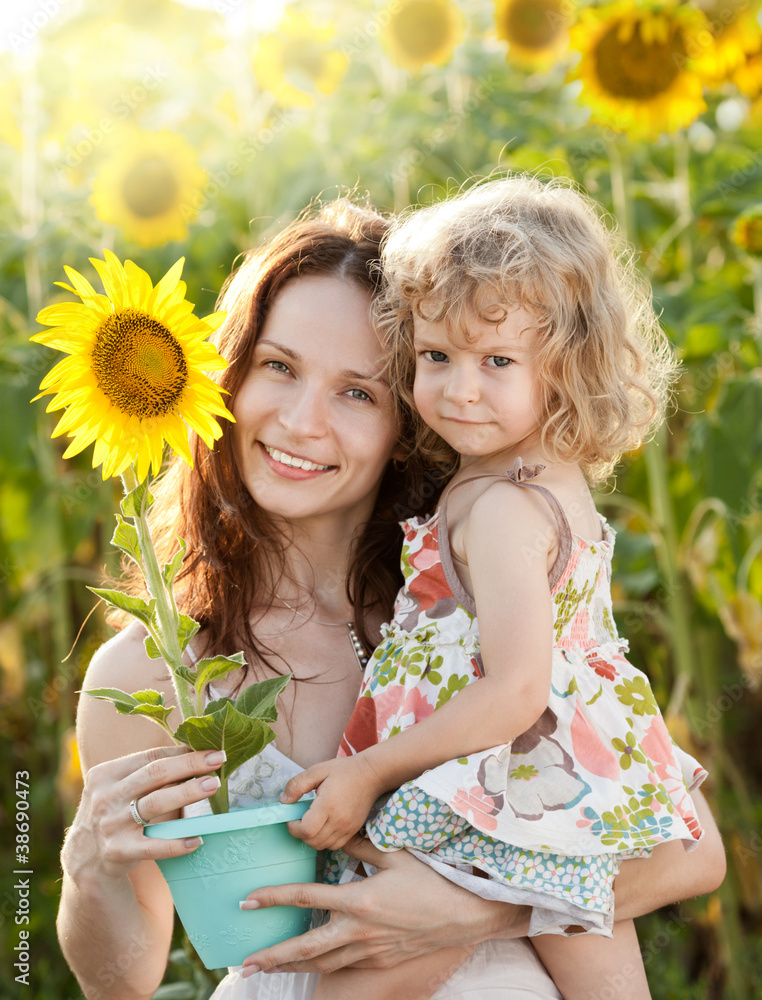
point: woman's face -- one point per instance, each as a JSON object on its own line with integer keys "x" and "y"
{"x": 315, "y": 425}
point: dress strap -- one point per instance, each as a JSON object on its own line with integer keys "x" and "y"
{"x": 519, "y": 475}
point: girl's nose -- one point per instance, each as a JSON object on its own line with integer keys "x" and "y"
{"x": 461, "y": 386}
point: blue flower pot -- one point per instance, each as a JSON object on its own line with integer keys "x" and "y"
{"x": 242, "y": 851}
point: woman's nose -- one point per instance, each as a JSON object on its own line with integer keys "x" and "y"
{"x": 305, "y": 415}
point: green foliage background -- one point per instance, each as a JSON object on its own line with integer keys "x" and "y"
{"x": 688, "y": 582}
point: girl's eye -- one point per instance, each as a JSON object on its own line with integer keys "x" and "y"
{"x": 360, "y": 394}
{"x": 436, "y": 356}
{"x": 277, "y": 366}
{"x": 498, "y": 362}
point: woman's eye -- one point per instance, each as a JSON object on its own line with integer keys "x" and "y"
{"x": 497, "y": 362}
{"x": 437, "y": 356}
{"x": 360, "y": 394}
{"x": 277, "y": 366}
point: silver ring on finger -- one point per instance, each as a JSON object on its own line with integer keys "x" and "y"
{"x": 136, "y": 814}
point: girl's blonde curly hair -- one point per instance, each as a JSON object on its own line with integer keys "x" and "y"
{"x": 604, "y": 364}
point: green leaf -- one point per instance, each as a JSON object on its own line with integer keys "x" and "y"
{"x": 258, "y": 700}
{"x": 137, "y": 501}
{"x": 135, "y": 606}
{"x": 126, "y": 538}
{"x": 208, "y": 670}
{"x": 151, "y": 648}
{"x": 186, "y": 629}
{"x": 146, "y": 703}
{"x": 172, "y": 568}
{"x": 187, "y": 673}
{"x": 240, "y": 736}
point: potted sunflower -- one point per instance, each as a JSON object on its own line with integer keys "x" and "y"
{"x": 135, "y": 378}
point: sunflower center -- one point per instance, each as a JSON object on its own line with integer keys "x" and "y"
{"x": 421, "y": 28}
{"x": 636, "y": 70}
{"x": 150, "y": 188}
{"x": 534, "y": 24}
{"x": 138, "y": 364}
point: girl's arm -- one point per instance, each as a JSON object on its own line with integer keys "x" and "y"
{"x": 506, "y": 540}
{"x": 116, "y": 916}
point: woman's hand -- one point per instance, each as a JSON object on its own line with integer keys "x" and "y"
{"x": 369, "y": 926}
{"x": 106, "y": 839}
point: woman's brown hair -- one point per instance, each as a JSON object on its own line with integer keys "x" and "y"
{"x": 235, "y": 555}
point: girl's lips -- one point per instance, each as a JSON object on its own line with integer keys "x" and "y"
{"x": 289, "y": 471}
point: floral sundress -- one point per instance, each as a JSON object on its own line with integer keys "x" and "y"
{"x": 595, "y": 780}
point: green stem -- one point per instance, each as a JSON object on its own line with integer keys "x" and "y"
{"x": 620, "y": 179}
{"x": 675, "y": 597}
{"x": 756, "y": 273}
{"x": 165, "y": 613}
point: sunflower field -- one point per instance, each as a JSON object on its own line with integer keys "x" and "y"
{"x": 159, "y": 129}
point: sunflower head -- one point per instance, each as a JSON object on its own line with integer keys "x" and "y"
{"x": 638, "y": 65}
{"x": 135, "y": 374}
{"x": 747, "y": 231}
{"x": 419, "y": 32}
{"x": 298, "y": 60}
{"x": 735, "y": 33}
{"x": 151, "y": 186}
{"x": 537, "y": 31}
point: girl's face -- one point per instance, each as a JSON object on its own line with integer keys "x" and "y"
{"x": 315, "y": 424}
{"x": 480, "y": 395}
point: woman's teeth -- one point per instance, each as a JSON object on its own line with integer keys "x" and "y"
{"x": 295, "y": 463}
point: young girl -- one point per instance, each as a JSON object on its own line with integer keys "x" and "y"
{"x": 533, "y": 356}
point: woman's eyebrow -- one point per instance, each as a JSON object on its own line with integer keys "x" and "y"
{"x": 280, "y": 347}
{"x": 352, "y": 376}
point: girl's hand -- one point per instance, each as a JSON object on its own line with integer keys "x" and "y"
{"x": 405, "y": 911}
{"x": 104, "y": 836}
{"x": 346, "y": 788}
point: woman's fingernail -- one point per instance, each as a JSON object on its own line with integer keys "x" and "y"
{"x": 249, "y": 904}
{"x": 193, "y": 842}
{"x": 210, "y": 784}
{"x": 216, "y": 757}
{"x": 249, "y": 970}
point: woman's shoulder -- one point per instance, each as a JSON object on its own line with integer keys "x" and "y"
{"x": 121, "y": 662}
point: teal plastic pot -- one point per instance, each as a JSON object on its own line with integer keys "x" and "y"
{"x": 242, "y": 851}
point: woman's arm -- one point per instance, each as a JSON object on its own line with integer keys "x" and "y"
{"x": 115, "y": 919}
{"x": 369, "y": 929}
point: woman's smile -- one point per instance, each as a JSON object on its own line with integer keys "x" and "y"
{"x": 292, "y": 466}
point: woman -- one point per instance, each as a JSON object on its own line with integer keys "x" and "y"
{"x": 291, "y": 532}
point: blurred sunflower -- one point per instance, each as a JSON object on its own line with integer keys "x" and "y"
{"x": 151, "y": 187}
{"x": 537, "y": 31}
{"x": 135, "y": 375}
{"x": 747, "y": 231}
{"x": 423, "y": 31}
{"x": 297, "y": 60}
{"x": 636, "y": 69}
{"x": 735, "y": 32}
{"x": 748, "y": 76}
{"x": 10, "y": 114}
